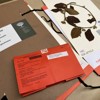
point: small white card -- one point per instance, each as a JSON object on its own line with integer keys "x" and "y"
{"x": 93, "y": 58}
{"x": 14, "y": 33}
{"x": 82, "y": 62}
{"x": 8, "y": 37}
{"x": 57, "y": 55}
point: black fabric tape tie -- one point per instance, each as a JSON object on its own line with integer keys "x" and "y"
{"x": 31, "y": 11}
{"x": 90, "y": 86}
{"x": 41, "y": 17}
{"x": 51, "y": 23}
{"x": 4, "y": 98}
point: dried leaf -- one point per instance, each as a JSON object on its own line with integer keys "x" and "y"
{"x": 60, "y": 5}
{"x": 89, "y": 35}
{"x": 76, "y": 32}
{"x": 72, "y": 20}
{"x": 71, "y": 11}
{"x": 91, "y": 20}
{"x": 71, "y": 7}
{"x": 55, "y": 10}
{"x": 94, "y": 27}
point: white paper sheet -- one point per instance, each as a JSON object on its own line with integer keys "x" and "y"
{"x": 87, "y": 10}
{"x": 93, "y": 58}
{"x": 8, "y": 37}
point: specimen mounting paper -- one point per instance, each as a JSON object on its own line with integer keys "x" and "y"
{"x": 79, "y": 22}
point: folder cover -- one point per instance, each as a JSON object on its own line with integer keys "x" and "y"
{"x": 37, "y": 70}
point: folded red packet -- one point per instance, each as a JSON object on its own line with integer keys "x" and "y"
{"x": 37, "y": 70}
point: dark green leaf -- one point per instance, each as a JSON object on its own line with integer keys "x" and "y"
{"x": 89, "y": 35}
{"x": 76, "y": 32}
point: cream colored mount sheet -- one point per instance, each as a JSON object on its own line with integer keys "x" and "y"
{"x": 81, "y": 93}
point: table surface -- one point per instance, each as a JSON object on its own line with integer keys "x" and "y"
{"x": 79, "y": 93}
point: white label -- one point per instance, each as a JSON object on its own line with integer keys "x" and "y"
{"x": 8, "y": 37}
{"x": 57, "y": 55}
{"x": 82, "y": 62}
{"x": 44, "y": 51}
{"x": 93, "y": 59}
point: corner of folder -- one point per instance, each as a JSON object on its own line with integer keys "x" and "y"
{"x": 88, "y": 70}
{"x": 25, "y": 2}
{"x": 97, "y": 70}
{"x": 44, "y": 7}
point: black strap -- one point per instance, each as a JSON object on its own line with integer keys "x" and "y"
{"x": 42, "y": 17}
{"x": 90, "y": 86}
{"x": 31, "y": 11}
{"x": 51, "y": 23}
{"x": 96, "y": 73}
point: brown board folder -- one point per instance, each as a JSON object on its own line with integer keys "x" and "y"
{"x": 10, "y": 13}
